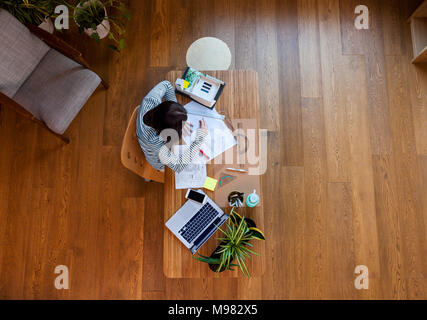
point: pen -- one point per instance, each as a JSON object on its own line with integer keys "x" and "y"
{"x": 204, "y": 154}
{"x": 238, "y": 170}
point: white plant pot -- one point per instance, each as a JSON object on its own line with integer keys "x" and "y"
{"x": 47, "y": 25}
{"x": 102, "y": 29}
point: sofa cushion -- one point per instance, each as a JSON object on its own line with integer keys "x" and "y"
{"x": 20, "y": 53}
{"x": 56, "y": 91}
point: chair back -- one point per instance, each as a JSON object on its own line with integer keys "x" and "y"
{"x": 20, "y": 53}
{"x": 132, "y": 156}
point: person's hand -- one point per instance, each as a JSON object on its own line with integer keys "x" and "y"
{"x": 203, "y": 126}
{"x": 186, "y": 129}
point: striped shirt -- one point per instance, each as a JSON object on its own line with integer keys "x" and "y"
{"x": 156, "y": 151}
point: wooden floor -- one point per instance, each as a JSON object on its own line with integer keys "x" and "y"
{"x": 347, "y": 173}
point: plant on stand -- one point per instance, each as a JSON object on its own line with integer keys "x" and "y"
{"x": 92, "y": 18}
{"x": 235, "y": 245}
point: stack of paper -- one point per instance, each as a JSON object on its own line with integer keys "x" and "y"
{"x": 220, "y": 137}
{"x": 193, "y": 176}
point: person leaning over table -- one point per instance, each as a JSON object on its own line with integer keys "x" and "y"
{"x": 155, "y": 116}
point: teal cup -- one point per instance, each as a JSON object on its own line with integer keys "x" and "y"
{"x": 252, "y": 200}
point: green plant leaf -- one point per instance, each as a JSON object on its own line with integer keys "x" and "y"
{"x": 256, "y": 234}
{"x": 113, "y": 47}
{"x": 208, "y": 260}
{"x": 95, "y": 36}
{"x": 205, "y": 257}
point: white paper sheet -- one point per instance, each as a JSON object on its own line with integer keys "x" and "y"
{"x": 201, "y": 110}
{"x": 220, "y": 137}
{"x": 193, "y": 176}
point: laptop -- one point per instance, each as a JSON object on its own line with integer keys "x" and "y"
{"x": 195, "y": 223}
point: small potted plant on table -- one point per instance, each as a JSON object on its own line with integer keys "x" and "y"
{"x": 235, "y": 245}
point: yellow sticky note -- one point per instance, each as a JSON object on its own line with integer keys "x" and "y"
{"x": 186, "y": 84}
{"x": 210, "y": 184}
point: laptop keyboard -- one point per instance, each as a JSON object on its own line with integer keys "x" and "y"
{"x": 197, "y": 223}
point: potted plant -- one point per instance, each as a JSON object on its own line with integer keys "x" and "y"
{"x": 92, "y": 18}
{"x": 235, "y": 245}
{"x": 36, "y": 12}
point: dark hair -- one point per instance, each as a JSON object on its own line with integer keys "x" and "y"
{"x": 167, "y": 115}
